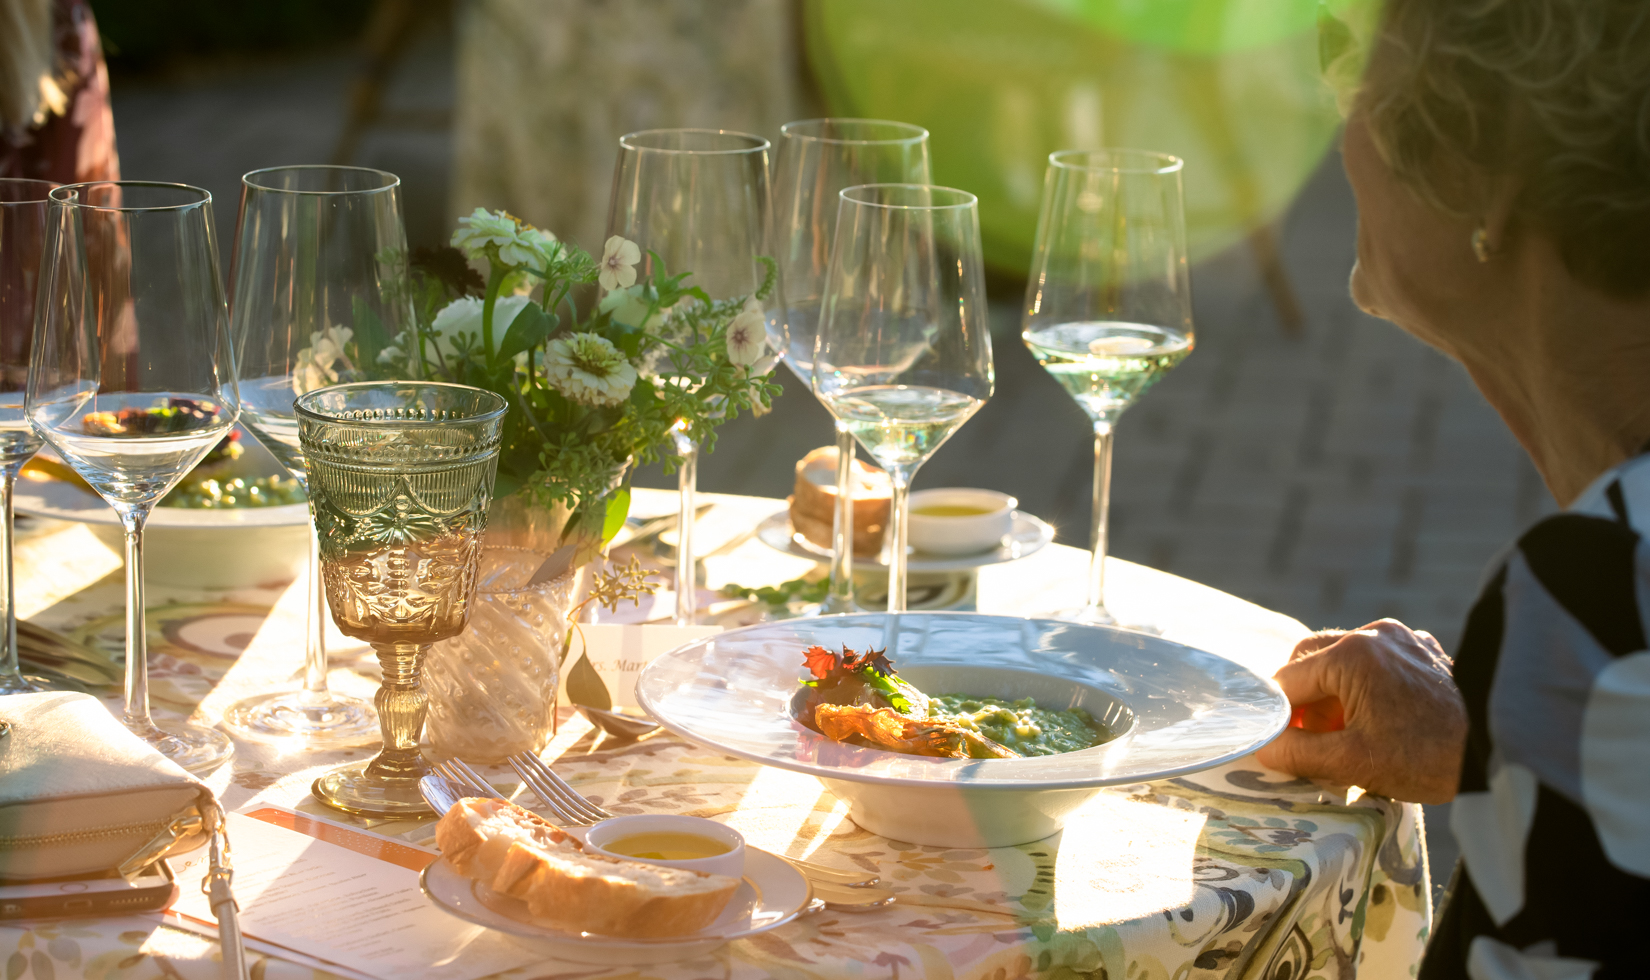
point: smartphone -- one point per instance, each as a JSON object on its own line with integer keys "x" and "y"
{"x": 151, "y": 890}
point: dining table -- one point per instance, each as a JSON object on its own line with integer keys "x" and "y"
{"x": 1237, "y": 871}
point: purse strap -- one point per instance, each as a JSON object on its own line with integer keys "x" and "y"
{"x": 217, "y": 888}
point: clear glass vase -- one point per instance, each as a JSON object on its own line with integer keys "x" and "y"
{"x": 492, "y": 688}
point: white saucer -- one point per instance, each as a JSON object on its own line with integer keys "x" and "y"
{"x": 1029, "y": 536}
{"x": 773, "y": 893}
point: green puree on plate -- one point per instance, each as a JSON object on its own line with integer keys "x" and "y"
{"x": 1019, "y": 725}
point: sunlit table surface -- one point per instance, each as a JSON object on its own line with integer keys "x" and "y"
{"x": 1235, "y": 872}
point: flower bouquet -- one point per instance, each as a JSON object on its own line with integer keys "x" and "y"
{"x": 588, "y": 397}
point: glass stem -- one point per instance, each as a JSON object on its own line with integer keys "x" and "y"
{"x": 315, "y": 631}
{"x": 137, "y": 629}
{"x": 841, "y": 597}
{"x": 687, "y": 584}
{"x": 899, "y": 520}
{"x": 8, "y": 591}
{"x": 402, "y": 705}
{"x": 1095, "y": 604}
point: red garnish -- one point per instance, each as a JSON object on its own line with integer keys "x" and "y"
{"x": 820, "y": 661}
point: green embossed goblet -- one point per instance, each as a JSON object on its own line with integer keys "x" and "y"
{"x": 400, "y": 476}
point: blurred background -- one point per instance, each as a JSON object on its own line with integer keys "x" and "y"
{"x": 1305, "y": 457}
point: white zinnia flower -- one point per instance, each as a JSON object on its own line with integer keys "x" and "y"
{"x": 391, "y": 355}
{"x": 463, "y": 315}
{"x": 748, "y": 335}
{"x": 618, "y": 265}
{"x": 317, "y": 364}
{"x": 483, "y": 228}
{"x": 587, "y": 368}
{"x": 530, "y": 247}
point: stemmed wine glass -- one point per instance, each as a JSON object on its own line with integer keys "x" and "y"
{"x": 320, "y": 256}
{"x": 698, "y": 198}
{"x": 1108, "y": 307}
{"x": 23, "y": 214}
{"x": 903, "y": 356}
{"x": 132, "y": 380}
{"x": 401, "y": 473}
{"x": 818, "y": 158}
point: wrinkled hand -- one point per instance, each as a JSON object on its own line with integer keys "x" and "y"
{"x": 1404, "y": 724}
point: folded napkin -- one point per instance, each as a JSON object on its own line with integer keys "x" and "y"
{"x": 80, "y": 794}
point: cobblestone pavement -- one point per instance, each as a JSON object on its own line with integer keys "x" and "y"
{"x": 1340, "y": 476}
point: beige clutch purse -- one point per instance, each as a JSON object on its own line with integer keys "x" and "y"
{"x": 79, "y": 794}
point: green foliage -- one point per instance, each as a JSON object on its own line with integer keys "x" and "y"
{"x": 588, "y": 398}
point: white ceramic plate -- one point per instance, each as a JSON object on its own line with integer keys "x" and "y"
{"x": 1191, "y": 709}
{"x": 1029, "y": 536}
{"x": 773, "y": 893}
{"x": 1173, "y": 709}
{"x": 67, "y": 502}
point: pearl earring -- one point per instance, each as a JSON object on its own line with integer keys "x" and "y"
{"x": 1481, "y": 244}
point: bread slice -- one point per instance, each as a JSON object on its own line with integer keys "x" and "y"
{"x": 522, "y": 856}
{"x": 595, "y": 893}
{"x": 476, "y": 833}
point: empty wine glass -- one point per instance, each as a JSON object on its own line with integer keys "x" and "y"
{"x": 132, "y": 380}
{"x": 903, "y": 356}
{"x": 400, "y": 476}
{"x": 23, "y": 213}
{"x": 1109, "y": 306}
{"x": 818, "y": 158}
{"x": 698, "y": 198}
{"x": 320, "y": 252}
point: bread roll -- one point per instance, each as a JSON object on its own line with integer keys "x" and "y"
{"x": 522, "y": 856}
{"x": 813, "y": 506}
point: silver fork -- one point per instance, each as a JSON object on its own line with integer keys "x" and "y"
{"x": 562, "y": 798}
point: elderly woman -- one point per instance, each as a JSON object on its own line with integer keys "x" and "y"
{"x": 1500, "y": 155}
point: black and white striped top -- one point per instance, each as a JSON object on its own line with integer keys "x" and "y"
{"x": 1553, "y": 814}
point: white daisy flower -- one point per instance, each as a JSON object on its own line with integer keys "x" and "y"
{"x": 483, "y": 228}
{"x": 618, "y": 264}
{"x": 587, "y": 368}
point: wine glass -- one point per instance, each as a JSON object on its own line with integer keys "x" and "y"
{"x": 320, "y": 255}
{"x": 132, "y": 380}
{"x": 23, "y": 213}
{"x": 903, "y": 356}
{"x": 400, "y": 476}
{"x": 1109, "y": 305}
{"x": 817, "y": 159}
{"x": 698, "y": 198}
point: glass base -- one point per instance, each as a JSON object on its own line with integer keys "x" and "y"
{"x": 1087, "y": 615}
{"x": 351, "y": 789}
{"x": 194, "y": 748}
{"x": 26, "y": 684}
{"x": 302, "y": 719}
{"x": 1098, "y": 616}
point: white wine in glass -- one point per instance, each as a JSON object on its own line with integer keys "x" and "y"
{"x": 132, "y": 380}
{"x": 1108, "y": 308}
{"x": 903, "y": 356}
{"x": 818, "y": 158}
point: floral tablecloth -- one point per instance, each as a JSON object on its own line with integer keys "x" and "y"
{"x": 1236, "y": 872}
